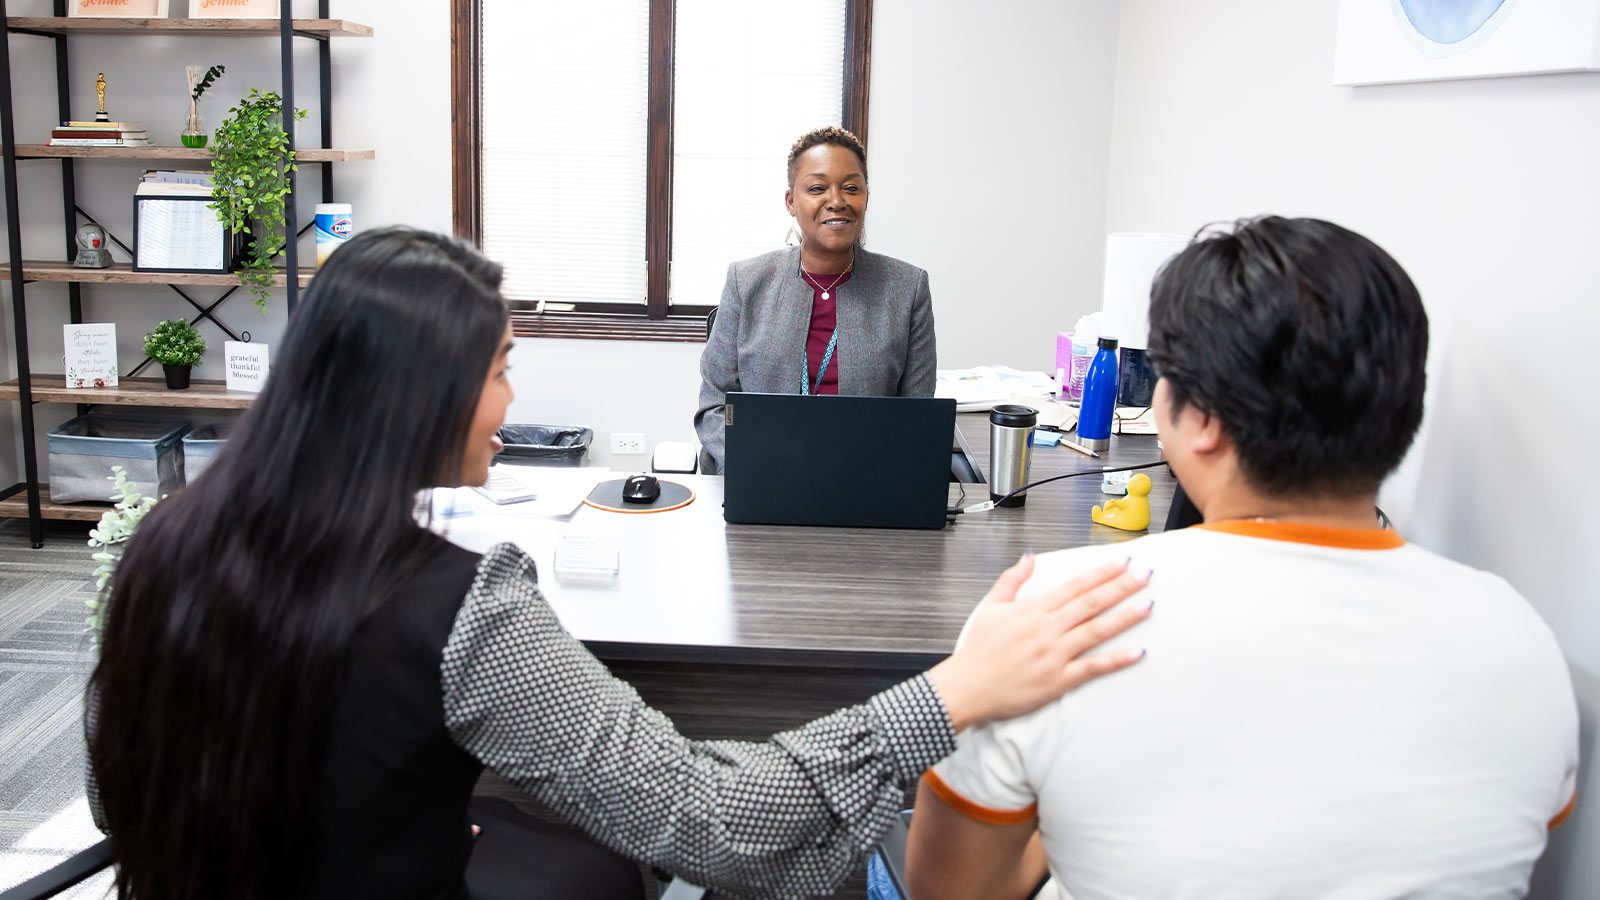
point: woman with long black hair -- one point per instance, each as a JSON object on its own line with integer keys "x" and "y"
{"x": 299, "y": 683}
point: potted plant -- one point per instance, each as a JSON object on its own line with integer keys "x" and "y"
{"x": 200, "y": 78}
{"x": 178, "y": 347}
{"x": 251, "y": 167}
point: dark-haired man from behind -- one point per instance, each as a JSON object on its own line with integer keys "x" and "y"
{"x": 1326, "y": 710}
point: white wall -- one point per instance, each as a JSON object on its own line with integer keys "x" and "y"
{"x": 1486, "y": 192}
{"x": 988, "y": 143}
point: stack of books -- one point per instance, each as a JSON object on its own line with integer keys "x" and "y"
{"x": 174, "y": 183}
{"x": 100, "y": 134}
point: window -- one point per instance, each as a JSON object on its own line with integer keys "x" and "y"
{"x": 616, "y": 155}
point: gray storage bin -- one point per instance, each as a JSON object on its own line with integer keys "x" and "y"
{"x": 200, "y": 447}
{"x": 83, "y": 450}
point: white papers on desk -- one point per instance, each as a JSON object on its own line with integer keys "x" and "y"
{"x": 559, "y": 493}
{"x": 984, "y": 387}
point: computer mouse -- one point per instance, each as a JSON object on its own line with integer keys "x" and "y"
{"x": 641, "y": 489}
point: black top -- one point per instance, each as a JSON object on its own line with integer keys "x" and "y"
{"x": 396, "y": 784}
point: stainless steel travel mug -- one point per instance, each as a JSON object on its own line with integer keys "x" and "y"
{"x": 1010, "y": 450}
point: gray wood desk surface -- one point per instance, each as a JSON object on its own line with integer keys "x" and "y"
{"x": 695, "y": 589}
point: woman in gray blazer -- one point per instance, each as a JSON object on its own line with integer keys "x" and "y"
{"x": 826, "y": 317}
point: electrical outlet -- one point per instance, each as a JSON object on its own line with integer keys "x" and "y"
{"x": 627, "y": 443}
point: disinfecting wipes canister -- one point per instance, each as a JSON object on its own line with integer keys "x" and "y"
{"x": 333, "y": 227}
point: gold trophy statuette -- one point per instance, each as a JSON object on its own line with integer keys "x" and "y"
{"x": 100, "y": 91}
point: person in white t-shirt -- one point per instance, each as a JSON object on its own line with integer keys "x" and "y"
{"x": 1325, "y": 709}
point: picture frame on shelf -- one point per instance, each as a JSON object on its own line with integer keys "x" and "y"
{"x": 118, "y": 9}
{"x": 234, "y": 9}
{"x": 179, "y": 234}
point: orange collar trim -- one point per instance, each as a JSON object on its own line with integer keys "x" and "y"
{"x": 1304, "y": 533}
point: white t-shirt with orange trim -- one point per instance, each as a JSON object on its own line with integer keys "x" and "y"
{"x": 1323, "y": 712}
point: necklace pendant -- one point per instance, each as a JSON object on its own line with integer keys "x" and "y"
{"x": 824, "y": 295}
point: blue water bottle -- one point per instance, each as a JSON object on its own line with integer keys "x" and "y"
{"x": 1099, "y": 397}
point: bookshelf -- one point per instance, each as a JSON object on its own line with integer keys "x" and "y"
{"x": 30, "y": 497}
{"x": 180, "y": 154}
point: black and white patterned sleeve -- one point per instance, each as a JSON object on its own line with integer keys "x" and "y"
{"x": 787, "y": 818}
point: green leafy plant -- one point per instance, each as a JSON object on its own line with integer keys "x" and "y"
{"x": 175, "y": 343}
{"x": 251, "y": 167}
{"x": 109, "y": 539}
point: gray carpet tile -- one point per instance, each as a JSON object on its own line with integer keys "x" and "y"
{"x": 45, "y": 658}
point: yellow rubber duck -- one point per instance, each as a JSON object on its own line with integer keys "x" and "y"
{"x": 1131, "y": 513}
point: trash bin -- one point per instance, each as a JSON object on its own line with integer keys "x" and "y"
{"x": 200, "y": 448}
{"x": 83, "y": 450}
{"x": 544, "y": 445}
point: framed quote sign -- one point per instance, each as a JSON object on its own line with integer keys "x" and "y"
{"x": 233, "y": 9}
{"x": 118, "y": 9}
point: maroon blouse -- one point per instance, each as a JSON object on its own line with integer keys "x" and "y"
{"x": 824, "y": 318}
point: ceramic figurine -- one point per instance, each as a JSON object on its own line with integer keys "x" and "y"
{"x": 1131, "y": 513}
{"x": 92, "y": 252}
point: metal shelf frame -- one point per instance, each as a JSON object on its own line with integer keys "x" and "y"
{"x": 286, "y": 34}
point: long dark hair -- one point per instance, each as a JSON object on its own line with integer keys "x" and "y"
{"x": 233, "y": 610}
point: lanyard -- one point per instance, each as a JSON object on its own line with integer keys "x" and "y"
{"x": 806, "y": 388}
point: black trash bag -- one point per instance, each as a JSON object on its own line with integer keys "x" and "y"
{"x": 544, "y": 445}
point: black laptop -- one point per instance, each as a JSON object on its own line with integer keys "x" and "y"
{"x": 874, "y": 462}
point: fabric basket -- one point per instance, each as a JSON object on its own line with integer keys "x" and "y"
{"x": 83, "y": 450}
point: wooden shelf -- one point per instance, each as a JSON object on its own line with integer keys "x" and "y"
{"x": 203, "y": 27}
{"x": 16, "y": 507}
{"x": 195, "y": 154}
{"x": 47, "y": 388}
{"x": 122, "y": 273}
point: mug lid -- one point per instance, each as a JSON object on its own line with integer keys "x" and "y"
{"x": 1014, "y": 415}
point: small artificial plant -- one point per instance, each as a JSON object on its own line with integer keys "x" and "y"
{"x": 251, "y": 168}
{"x": 109, "y": 539}
{"x": 175, "y": 343}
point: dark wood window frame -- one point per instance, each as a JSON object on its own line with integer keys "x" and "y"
{"x": 655, "y": 321}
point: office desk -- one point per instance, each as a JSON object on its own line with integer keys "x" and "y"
{"x": 695, "y": 589}
{"x": 740, "y": 631}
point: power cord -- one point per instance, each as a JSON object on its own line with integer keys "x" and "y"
{"x": 991, "y": 504}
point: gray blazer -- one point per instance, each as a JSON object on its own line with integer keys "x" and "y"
{"x": 886, "y": 343}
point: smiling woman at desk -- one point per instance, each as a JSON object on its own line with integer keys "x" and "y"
{"x": 300, "y": 684}
{"x": 827, "y": 317}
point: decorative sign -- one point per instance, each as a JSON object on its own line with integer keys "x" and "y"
{"x": 247, "y": 366}
{"x": 119, "y": 9}
{"x": 91, "y": 355}
{"x": 234, "y": 9}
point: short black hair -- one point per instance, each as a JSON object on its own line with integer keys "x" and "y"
{"x": 1306, "y": 340}
{"x": 827, "y": 134}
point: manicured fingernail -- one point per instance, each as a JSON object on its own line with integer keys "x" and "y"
{"x": 1145, "y": 606}
{"x": 1027, "y": 555}
{"x": 1142, "y": 573}
{"x": 1135, "y": 655}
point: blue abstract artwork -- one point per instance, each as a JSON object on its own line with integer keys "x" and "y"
{"x": 1449, "y": 21}
{"x": 1388, "y": 41}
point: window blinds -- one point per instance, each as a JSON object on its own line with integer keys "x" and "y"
{"x": 749, "y": 78}
{"x": 563, "y": 94}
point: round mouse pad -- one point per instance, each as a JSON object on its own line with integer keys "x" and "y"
{"x": 607, "y": 495}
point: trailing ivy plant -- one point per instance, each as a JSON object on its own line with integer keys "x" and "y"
{"x": 251, "y": 167}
